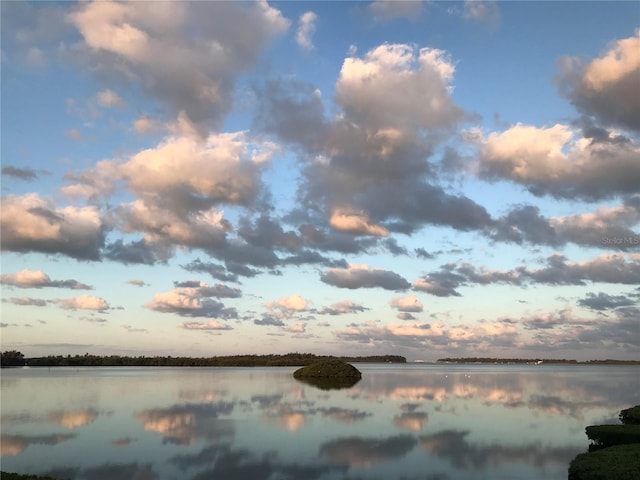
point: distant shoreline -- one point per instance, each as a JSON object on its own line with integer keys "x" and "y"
{"x": 537, "y": 361}
{"x": 286, "y": 360}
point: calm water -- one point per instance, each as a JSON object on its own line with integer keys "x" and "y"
{"x": 399, "y": 422}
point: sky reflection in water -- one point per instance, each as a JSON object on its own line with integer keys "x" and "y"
{"x": 399, "y": 422}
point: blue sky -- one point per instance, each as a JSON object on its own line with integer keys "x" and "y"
{"x": 428, "y": 179}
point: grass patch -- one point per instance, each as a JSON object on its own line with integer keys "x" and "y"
{"x": 621, "y": 462}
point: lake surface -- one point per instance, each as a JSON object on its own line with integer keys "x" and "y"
{"x": 414, "y": 421}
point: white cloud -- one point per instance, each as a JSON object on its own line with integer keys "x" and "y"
{"x": 306, "y": 29}
{"x": 38, "y": 279}
{"x": 395, "y": 86}
{"x": 31, "y": 223}
{"x": 193, "y": 301}
{"x": 84, "y": 302}
{"x": 606, "y": 87}
{"x": 289, "y": 305}
{"x": 559, "y": 162}
{"x": 184, "y": 54}
{"x": 356, "y": 222}
{"x": 407, "y": 304}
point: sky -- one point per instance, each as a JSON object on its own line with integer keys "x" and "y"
{"x": 427, "y": 179}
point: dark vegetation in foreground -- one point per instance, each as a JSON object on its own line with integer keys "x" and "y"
{"x": 614, "y": 453}
{"x": 537, "y": 360}
{"x": 15, "y": 359}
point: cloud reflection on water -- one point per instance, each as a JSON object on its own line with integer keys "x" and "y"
{"x": 399, "y": 422}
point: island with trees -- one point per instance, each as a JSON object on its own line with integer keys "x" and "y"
{"x": 17, "y": 359}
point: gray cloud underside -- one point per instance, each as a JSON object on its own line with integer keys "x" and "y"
{"x": 608, "y": 268}
{"x": 603, "y": 301}
{"x": 356, "y": 278}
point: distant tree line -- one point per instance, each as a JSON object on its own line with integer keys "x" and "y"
{"x": 286, "y": 360}
{"x": 12, "y": 358}
{"x": 537, "y": 360}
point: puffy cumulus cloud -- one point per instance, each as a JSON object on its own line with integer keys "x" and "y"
{"x": 223, "y": 169}
{"x": 164, "y": 229}
{"x": 607, "y": 268}
{"x": 84, "y": 302}
{"x": 108, "y": 98}
{"x": 286, "y": 307}
{"x": 557, "y": 161}
{"x": 606, "y": 87}
{"x": 410, "y": 303}
{"x": 210, "y": 325}
{"x": 386, "y": 10}
{"x": 185, "y": 55}
{"x": 31, "y": 223}
{"x": 395, "y": 86}
{"x": 94, "y": 184}
{"x": 604, "y": 301}
{"x": 178, "y": 187}
{"x": 38, "y": 279}
{"x": 366, "y": 171}
{"x": 26, "y": 174}
{"x": 306, "y": 29}
{"x": 355, "y": 222}
{"x": 363, "y": 276}
{"x": 194, "y": 300}
{"x": 341, "y": 308}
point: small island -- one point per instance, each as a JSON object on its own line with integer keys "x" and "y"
{"x": 329, "y": 374}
